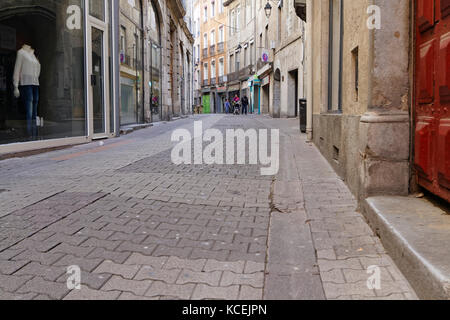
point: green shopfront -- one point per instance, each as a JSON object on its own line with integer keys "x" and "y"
{"x": 58, "y": 74}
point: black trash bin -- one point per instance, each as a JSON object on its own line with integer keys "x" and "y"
{"x": 302, "y": 116}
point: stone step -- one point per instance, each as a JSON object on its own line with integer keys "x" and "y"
{"x": 416, "y": 234}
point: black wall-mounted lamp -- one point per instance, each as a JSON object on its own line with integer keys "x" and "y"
{"x": 268, "y": 10}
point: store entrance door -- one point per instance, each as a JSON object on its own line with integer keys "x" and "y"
{"x": 98, "y": 54}
{"x": 432, "y": 98}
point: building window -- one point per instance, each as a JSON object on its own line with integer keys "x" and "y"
{"x": 221, "y": 67}
{"x": 205, "y": 72}
{"x": 213, "y": 8}
{"x": 42, "y": 72}
{"x": 221, "y": 34}
{"x": 231, "y": 63}
{"x": 155, "y": 60}
{"x": 213, "y": 69}
{"x": 249, "y": 10}
{"x": 335, "y": 56}
{"x": 205, "y": 14}
{"x": 238, "y": 18}
{"x": 123, "y": 41}
{"x": 205, "y": 41}
{"x": 97, "y": 9}
{"x": 232, "y": 22}
{"x": 221, "y": 6}
{"x": 213, "y": 37}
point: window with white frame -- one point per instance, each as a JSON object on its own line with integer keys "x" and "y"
{"x": 205, "y": 41}
{"x": 213, "y": 8}
{"x": 205, "y": 14}
{"x": 221, "y": 6}
{"x": 232, "y": 22}
{"x": 213, "y": 37}
{"x": 198, "y": 27}
{"x": 213, "y": 69}
{"x": 238, "y": 18}
{"x": 221, "y": 34}
{"x": 221, "y": 66}
{"x": 205, "y": 71}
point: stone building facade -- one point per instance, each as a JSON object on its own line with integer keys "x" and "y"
{"x": 280, "y": 36}
{"x": 197, "y": 54}
{"x": 260, "y": 49}
{"x": 241, "y": 46}
{"x": 360, "y": 93}
{"x": 212, "y": 46}
{"x": 168, "y": 60}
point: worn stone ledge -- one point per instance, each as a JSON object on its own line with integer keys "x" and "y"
{"x": 416, "y": 235}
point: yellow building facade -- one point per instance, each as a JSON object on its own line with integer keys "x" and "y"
{"x": 213, "y": 48}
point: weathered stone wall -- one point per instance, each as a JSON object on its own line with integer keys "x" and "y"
{"x": 368, "y": 143}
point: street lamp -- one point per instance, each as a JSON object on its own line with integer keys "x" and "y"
{"x": 268, "y": 9}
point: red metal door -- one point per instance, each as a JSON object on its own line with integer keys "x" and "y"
{"x": 432, "y": 96}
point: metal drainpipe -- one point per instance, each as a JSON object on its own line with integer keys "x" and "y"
{"x": 309, "y": 63}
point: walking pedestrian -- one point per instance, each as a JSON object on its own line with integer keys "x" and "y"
{"x": 227, "y": 106}
{"x": 245, "y": 105}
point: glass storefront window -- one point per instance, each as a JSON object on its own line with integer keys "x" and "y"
{"x": 97, "y": 9}
{"x": 155, "y": 62}
{"x": 42, "y": 88}
{"x": 131, "y": 66}
{"x": 155, "y": 83}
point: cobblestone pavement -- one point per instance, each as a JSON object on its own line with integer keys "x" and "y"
{"x": 140, "y": 227}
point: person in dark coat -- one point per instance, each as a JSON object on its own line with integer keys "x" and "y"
{"x": 245, "y": 105}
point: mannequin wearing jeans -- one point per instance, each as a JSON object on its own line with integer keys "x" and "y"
{"x": 26, "y": 85}
{"x": 30, "y": 99}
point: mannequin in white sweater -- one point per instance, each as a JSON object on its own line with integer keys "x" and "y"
{"x": 26, "y": 86}
{"x": 27, "y": 69}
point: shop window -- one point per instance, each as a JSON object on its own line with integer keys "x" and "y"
{"x": 42, "y": 88}
{"x": 97, "y": 9}
{"x": 131, "y": 69}
{"x": 155, "y": 62}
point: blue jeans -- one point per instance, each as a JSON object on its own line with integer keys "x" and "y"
{"x": 244, "y": 109}
{"x": 30, "y": 99}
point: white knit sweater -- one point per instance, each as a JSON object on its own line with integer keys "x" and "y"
{"x": 27, "y": 69}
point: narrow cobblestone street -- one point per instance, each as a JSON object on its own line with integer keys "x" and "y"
{"x": 140, "y": 227}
